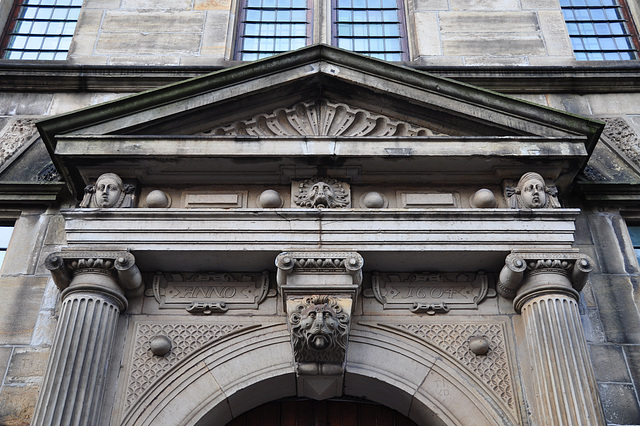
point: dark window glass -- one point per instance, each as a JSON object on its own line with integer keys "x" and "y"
{"x": 634, "y": 232}
{"x": 370, "y": 27}
{"x": 598, "y": 30}
{"x": 268, "y": 27}
{"x": 40, "y": 29}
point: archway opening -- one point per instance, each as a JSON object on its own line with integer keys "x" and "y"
{"x": 330, "y": 412}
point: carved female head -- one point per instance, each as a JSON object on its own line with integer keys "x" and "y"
{"x": 109, "y": 190}
{"x": 532, "y": 190}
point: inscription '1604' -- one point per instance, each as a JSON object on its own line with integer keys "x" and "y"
{"x": 232, "y": 291}
{"x": 450, "y": 290}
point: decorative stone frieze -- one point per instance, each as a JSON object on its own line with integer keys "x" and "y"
{"x": 430, "y": 293}
{"x": 211, "y": 292}
{"x": 546, "y": 286}
{"x": 321, "y": 118}
{"x": 94, "y": 286}
{"x": 319, "y": 290}
{"x": 108, "y": 192}
{"x": 321, "y": 192}
{"x": 532, "y": 193}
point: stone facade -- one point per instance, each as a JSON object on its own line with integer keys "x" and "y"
{"x": 320, "y": 225}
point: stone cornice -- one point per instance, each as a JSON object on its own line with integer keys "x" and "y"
{"x": 43, "y": 76}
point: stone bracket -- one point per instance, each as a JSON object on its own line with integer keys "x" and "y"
{"x": 319, "y": 291}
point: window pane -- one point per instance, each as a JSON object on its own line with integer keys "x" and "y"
{"x": 361, "y": 29}
{"x": 35, "y": 32}
{"x": 592, "y": 25}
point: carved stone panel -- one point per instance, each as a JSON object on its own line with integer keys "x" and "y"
{"x": 492, "y": 368}
{"x": 210, "y": 292}
{"x": 321, "y": 118}
{"x": 430, "y": 293}
{"x": 145, "y": 367}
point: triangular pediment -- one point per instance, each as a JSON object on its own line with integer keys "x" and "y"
{"x": 344, "y": 100}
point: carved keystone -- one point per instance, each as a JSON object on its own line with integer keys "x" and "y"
{"x": 319, "y": 290}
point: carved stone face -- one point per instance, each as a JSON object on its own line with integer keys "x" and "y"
{"x": 108, "y": 191}
{"x": 319, "y": 328}
{"x": 321, "y": 194}
{"x": 533, "y": 194}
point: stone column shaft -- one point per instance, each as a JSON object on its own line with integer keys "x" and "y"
{"x": 72, "y": 391}
{"x": 563, "y": 378}
{"x": 562, "y": 386}
{"x": 93, "y": 296}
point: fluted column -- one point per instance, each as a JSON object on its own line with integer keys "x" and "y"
{"x": 546, "y": 287}
{"x": 94, "y": 286}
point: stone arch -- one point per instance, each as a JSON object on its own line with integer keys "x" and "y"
{"x": 232, "y": 375}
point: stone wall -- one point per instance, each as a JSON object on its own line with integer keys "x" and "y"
{"x": 440, "y": 32}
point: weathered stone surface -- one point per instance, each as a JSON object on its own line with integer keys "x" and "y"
{"x": 432, "y": 5}
{"x": 554, "y": 32}
{"x": 619, "y": 403}
{"x": 156, "y": 4}
{"x": 484, "y": 5}
{"x": 609, "y": 363}
{"x": 27, "y": 366}
{"x": 609, "y": 253}
{"x": 427, "y": 34}
{"x": 25, "y": 103}
{"x": 87, "y": 30}
{"x": 632, "y": 355}
{"x": 496, "y": 60}
{"x": 214, "y": 39}
{"x": 149, "y": 43}
{"x": 17, "y": 404}
{"x": 5, "y": 355}
{"x": 489, "y": 22}
{"x": 25, "y": 245}
{"x": 539, "y": 4}
{"x": 212, "y": 5}
{"x": 19, "y": 306}
{"x": 144, "y": 60}
{"x": 614, "y": 295}
{"x": 101, "y": 4}
{"x": 492, "y": 44}
{"x": 152, "y": 22}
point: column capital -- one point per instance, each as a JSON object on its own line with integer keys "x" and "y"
{"x": 528, "y": 273}
{"x": 113, "y": 272}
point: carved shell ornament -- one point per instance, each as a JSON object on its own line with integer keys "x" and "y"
{"x": 322, "y": 192}
{"x": 320, "y": 118}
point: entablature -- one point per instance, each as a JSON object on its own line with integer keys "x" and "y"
{"x": 390, "y": 239}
